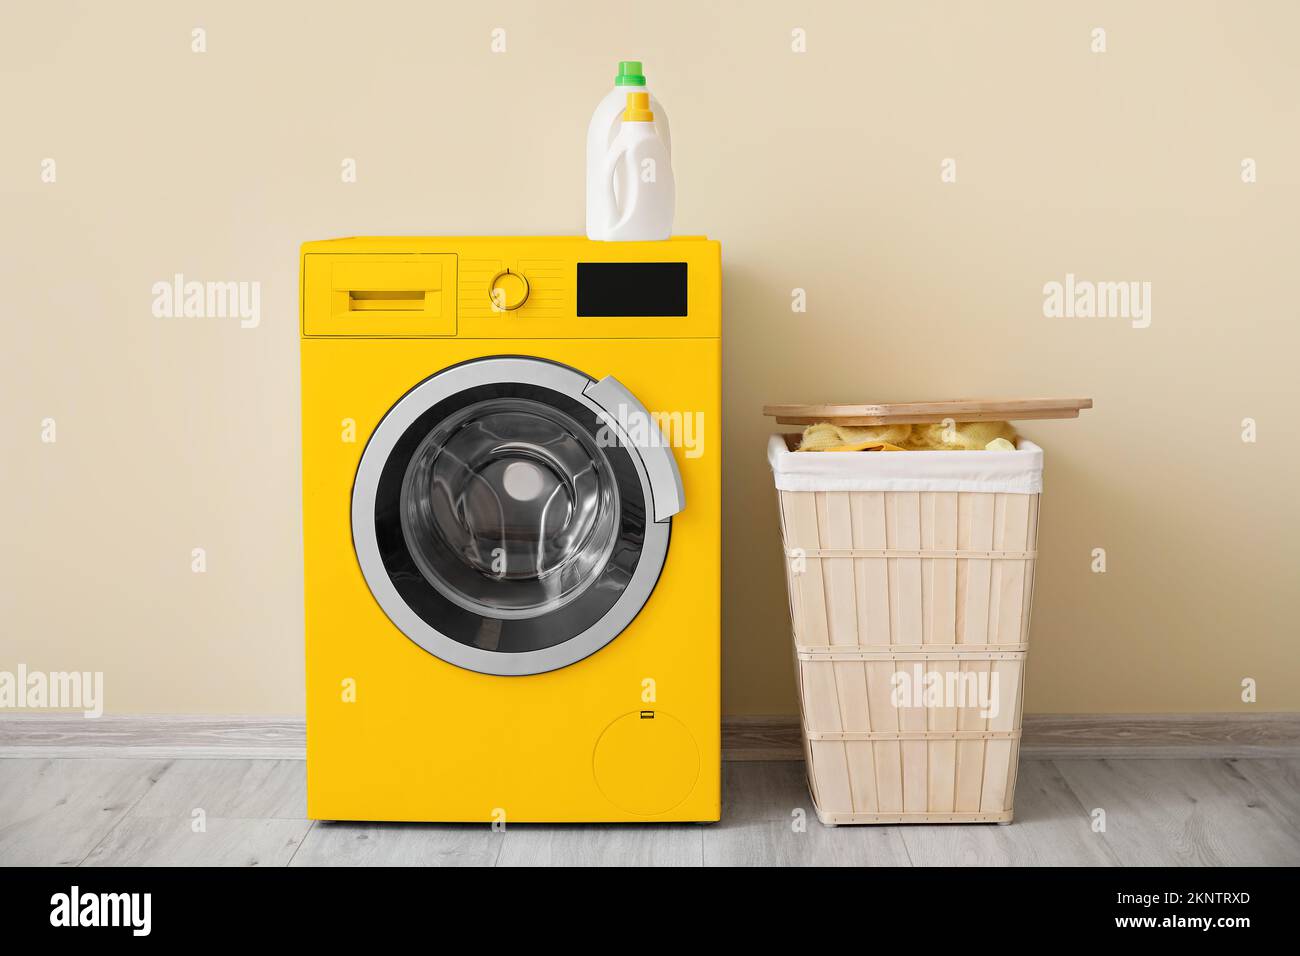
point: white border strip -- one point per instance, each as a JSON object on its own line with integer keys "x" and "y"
{"x": 1007, "y": 472}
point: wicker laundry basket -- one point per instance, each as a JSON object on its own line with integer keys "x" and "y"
{"x": 911, "y": 580}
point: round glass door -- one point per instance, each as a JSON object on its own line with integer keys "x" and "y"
{"x": 503, "y": 519}
{"x": 509, "y": 509}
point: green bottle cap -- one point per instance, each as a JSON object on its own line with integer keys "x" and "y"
{"x": 629, "y": 74}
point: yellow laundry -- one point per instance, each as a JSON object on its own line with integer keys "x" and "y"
{"x": 961, "y": 436}
{"x": 861, "y": 446}
{"x": 830, "y": 437}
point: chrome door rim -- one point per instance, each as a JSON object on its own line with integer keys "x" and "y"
{"x": 441, "y": 386}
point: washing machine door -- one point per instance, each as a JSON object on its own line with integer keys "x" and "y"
{"x": 511, "y": 515}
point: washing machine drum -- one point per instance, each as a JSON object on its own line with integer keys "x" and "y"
{"x": 510, "y": 509}
{"x": 505, "y": 519}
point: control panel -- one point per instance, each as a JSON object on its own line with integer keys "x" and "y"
{"x": 503, "y": 287}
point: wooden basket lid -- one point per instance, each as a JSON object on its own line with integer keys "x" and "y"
{"x": 916, "y": 413}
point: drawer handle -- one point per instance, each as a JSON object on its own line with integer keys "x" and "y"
{"x": 384, "y": 301}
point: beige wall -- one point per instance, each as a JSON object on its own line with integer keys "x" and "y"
{"x": 818, "y": 171}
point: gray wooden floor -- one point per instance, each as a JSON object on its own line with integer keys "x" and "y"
{"x": 94, "y": 812}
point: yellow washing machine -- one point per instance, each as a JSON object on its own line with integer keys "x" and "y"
{"x": 511, "y": 522}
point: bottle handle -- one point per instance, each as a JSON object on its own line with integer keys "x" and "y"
{"x": 611, "y": 166}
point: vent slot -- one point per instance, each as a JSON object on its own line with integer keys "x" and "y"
{"x": 360, "y": 300}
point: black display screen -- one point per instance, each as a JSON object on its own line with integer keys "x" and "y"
{"x": 631, "y": 288}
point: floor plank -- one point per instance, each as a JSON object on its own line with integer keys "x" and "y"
{"x": 261, "y": 789}
{"x": 399, "y": 844}
{"x": 1278, "y": 783}
{"x": 171, "y": 841}
{"x": 54, "y": 812}
{"x": 1051, "y": 828}
{"x": 768, "y": 820}
{"x": 1182, "y": 813}
{"x": 140, "y": 812}
{"x": 535, "y": 844}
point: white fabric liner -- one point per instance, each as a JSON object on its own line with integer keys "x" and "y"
{"x": 1010, "y": 472}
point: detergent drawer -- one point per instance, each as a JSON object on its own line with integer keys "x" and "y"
{"x": 379, "y": 295}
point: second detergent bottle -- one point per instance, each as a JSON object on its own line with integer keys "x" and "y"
{"x": 630, "y": 189}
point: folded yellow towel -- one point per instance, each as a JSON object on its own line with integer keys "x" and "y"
{"x": 830, "y": 437}
{"x": 862, "y": 446}
{"x": 962, "y": 436}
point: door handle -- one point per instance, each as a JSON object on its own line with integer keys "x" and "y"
{"x": 620, "y": 407}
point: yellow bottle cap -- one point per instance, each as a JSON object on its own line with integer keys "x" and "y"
{"x": 638, "y": 109}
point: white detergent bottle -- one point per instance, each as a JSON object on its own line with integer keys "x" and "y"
{"x": 638, "y": 192}
{"x": 604, "y": 126}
